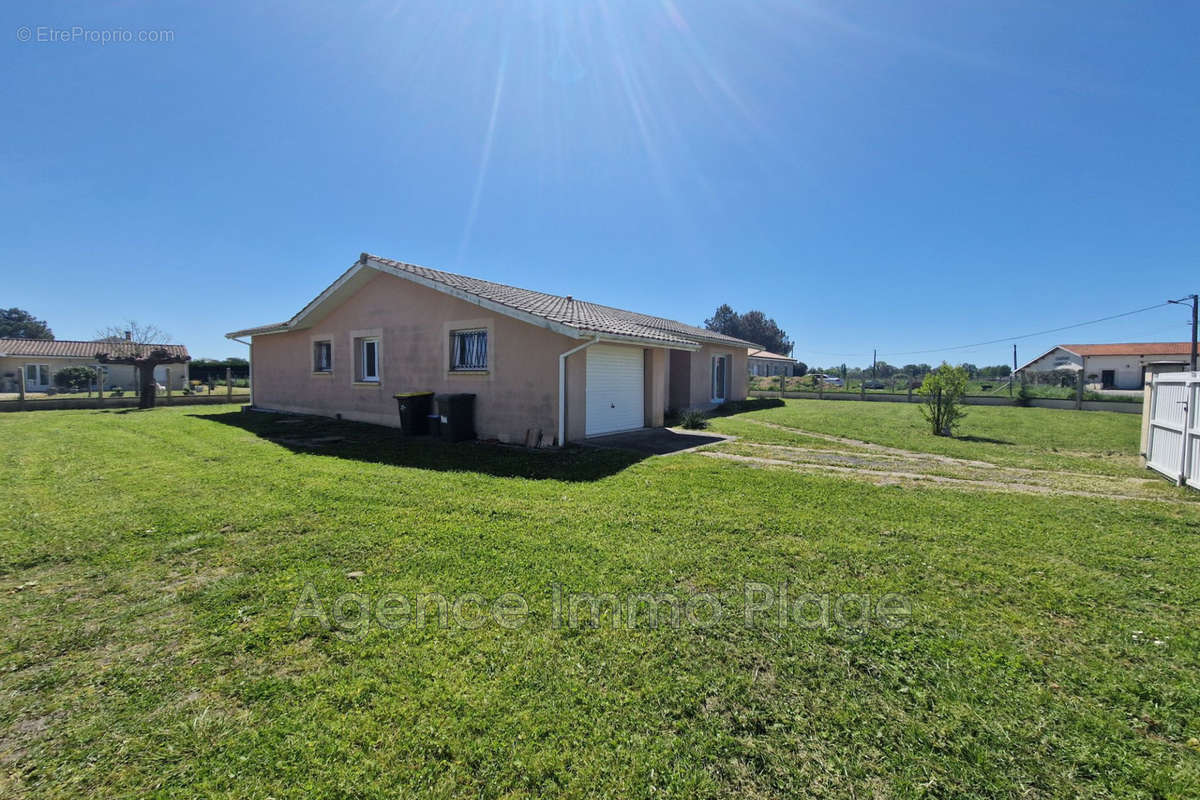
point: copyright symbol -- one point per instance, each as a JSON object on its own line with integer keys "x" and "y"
{"x": 24, "y": 34}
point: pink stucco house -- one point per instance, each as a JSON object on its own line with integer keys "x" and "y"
{"x": 539, "y": 364}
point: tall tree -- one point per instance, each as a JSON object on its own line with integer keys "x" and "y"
{"x": 17, "y": 323}
{"x": 753, "y": 326}
{"x": 140, "y": 346}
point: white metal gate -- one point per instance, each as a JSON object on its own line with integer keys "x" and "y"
{"x": 1173, "y": 435}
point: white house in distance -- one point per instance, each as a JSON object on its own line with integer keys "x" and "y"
{"x": 1113, "y": 366}
{"x": 40, "y": 359}
{"x": 765, "y": 364}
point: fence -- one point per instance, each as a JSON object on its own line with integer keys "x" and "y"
{"x": 1171, "y": 427}
{"x": 970, "y": 400}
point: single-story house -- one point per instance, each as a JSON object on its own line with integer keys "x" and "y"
{"x": 1112, "y": 366}
{"x": 762, "y": 363}
{"x": 542, "y": 367}
{"x": 40, "y": 359}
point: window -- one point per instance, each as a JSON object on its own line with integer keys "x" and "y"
{"x": 37, "y": 374}
{"x": 719, "y": 365}
{"x": 323, "y": 356}
{"x": 468, "y": 350}
{"x": 368, "y": 360}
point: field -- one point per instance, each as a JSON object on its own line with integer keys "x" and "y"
{"x": 1011, "y": 613}
{"x": 997, "y": 387}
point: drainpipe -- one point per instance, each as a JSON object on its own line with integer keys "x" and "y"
{"x": 249, "y": 367}
{"x": 562, "y": 389}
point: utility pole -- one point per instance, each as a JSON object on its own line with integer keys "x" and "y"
{"x": 875, "y": 360}
{"x": 1195, "y": 301}
{"x": 1012, "y": 376}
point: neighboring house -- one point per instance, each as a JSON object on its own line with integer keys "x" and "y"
{"x": 764, "y": 364}
{"x": 40, "y": 359}
{"x": 1112, "y": 366}
{"x": 538, "y": 363}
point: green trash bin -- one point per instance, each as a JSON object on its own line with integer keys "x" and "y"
{"x": 457, "y": 416}
{"x": 414, "y": 412}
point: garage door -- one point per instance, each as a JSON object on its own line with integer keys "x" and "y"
{"x": 614, "y": 389}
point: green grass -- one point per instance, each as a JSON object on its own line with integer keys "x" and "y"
{"x": 1101, "y": 442}
{"x": 150, "y": 563}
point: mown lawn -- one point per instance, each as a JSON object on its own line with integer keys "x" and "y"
{"x": 1103, "y": 442}
{"x": 151, "y": 562}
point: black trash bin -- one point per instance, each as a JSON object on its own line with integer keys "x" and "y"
{"x": 414, "y": 412}
{"x": 457, "y": 416}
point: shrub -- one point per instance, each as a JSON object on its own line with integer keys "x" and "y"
{"x": 74, "y": 379}
{"x": 1024, "y": 395}
{"x": 942, "y": 392}
{"x": 693, "y": 420}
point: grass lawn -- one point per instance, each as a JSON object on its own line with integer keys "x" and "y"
{"x": 1103, "y": 442}
{"x": 151, "y": 562}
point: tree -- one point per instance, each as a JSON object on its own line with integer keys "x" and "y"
{"x": 74, "y": 379}
{"x": 801, "y": 369}
{"x": 753, "y": 326}
{"x": 941, "y": 393}
{"x": 139, "y": 346}
{"x": 17, "y": 323}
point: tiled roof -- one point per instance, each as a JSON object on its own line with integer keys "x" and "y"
{"x": 767, "y": 354}
{"x": 67, "y": 348}
{"x": 580, "y": 314}
{"x": 1131, "y": 349}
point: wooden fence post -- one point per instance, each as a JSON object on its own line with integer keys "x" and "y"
{"x": 168, "y": 370}
{"x": 99, "y": 387}
{"x": 862, "y": 389}
{"x": 910, "y": 391}
{"x": 1079, "y": 392}
{"x": 21, "y": 387}
{"x": 229, "y": 384}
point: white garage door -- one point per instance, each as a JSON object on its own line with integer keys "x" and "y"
{"x": 614, "y": 389}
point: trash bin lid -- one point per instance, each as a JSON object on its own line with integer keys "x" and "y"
{"x": 412, "y": 394}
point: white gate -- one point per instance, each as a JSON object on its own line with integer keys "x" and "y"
{"x": 1173, "y": 435}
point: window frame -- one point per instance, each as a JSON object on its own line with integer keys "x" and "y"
{"x": 41, "y": 371}
{"x": 455, "y": 335}
{"x": 316, "y": 368}
{"x": 363, "y": 342}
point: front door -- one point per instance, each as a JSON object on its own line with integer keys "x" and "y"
{"x": 720, "y": 370}
{"x": 1108, "y": 378}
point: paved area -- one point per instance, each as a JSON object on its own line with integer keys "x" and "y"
{"x": 657, "y": 441}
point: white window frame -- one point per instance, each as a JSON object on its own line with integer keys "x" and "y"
{"x": 315, "y": 366}
{"x": 454, "y": 334}
{"x": 40, "y": 371}
{"x": 727, "y": 363}
{"x": 362, "y": 363}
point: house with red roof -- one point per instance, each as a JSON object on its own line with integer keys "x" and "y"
{"x": 1122, "y": 365}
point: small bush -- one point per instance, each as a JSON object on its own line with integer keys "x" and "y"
{"x": 941, "y": 393}
{"x": 693, "y": 420}
{"x": 74, "y": 379}
{"x": 1024, "y": 395}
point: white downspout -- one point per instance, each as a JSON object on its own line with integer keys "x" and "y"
{"x": 249, "y": 365}
{"x": 562, "y": 389}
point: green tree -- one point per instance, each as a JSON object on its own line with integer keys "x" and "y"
{"x": 753, "y": 326}
{"x": 941, "y": 393}
{"x": 17, "y": 323}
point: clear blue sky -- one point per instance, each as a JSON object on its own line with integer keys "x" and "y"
{"x": 857, "y": 170}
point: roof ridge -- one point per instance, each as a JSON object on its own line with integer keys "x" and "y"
{"x": 664, "y": 325}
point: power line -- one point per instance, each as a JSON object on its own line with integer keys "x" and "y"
{"x": 1030, "y": 335}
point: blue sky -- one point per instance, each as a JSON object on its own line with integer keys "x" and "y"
{"x": 899, "y": 175}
